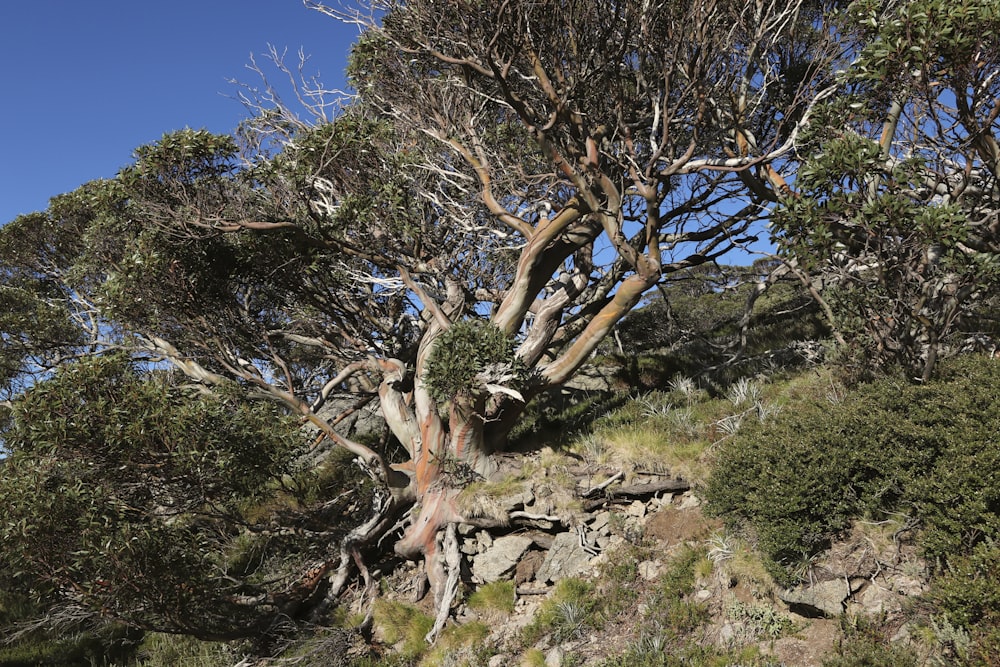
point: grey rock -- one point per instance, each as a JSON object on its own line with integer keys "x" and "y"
{"x": 636, "y": 509}
{"x": 690, "y": 500}
{"x": 600, "y": 522}
{"x": 565, "y": 559}
{"x": 825, "y": 598}
{"x": 649, "y": 569}
{"x": 500, "y": 558}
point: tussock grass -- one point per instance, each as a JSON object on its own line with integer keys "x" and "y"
{"x": 404, "y": 625}
{"x": 494, "y": 599}
{"x": 459, "y": 645}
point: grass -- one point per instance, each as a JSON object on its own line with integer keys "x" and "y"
{"x": 566, "y": 613}
{"x": 486, "y": 499}
{"x": 460, "y": 646}
{"x": 495, "y": 599}
{"x": 403, "y": 625}
{"x": 162, "y": 650}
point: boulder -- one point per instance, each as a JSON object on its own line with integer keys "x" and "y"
{"x": 822, "y": 599}
{"x": 565, "y": 558}
{"x": 500, "y": 558}
{"x": 528, "y": 567}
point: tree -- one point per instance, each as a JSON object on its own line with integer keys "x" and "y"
{"x": 509, "y": 181}
{"x": 896, "y": 204}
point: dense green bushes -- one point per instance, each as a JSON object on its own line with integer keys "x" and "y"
{"x": 930, "y": 452}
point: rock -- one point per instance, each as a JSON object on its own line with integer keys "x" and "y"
{"x": 825, "y": 598}
{"x": 500, "y": 558}
{"x": 649, "y": 569}
{"x": 485, "y": 541}
{"x": 903, "y": 634}
{"x": 542, "y": 540}
{"x": 690, "y": 500}
{"x": 703, "y": 595}
{"x": 636, "y": 509}
{"x": 565, "y": 559}
{"x": 470, "y": 547}
{"x": 600, "y": 521}
{"x": 810, "y": 647}
{"x": 528, "y": 567}
{"x": 554, "y": 657}
{"x": 498, "y": 660}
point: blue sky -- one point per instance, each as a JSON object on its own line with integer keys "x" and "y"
{"x": 85, "y": 83}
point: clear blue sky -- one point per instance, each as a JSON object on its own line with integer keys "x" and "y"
{"x": 83, "y": 83}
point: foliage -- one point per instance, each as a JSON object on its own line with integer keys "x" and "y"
{"x": 864, "y": 645}
{"x": 511, "y": 180}
{"x": 888, "y": 446}
{"x": 129, "y": 473}
{"x": 968, "y": 592}
{"x": 899, "y": 176}
{"x": 468, "y": 356}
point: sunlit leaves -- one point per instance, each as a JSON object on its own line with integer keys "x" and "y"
{"x": 120, "y": 488}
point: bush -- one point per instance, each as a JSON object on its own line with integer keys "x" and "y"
{"x": 865, "y": 646}
{"x": 969, "y": 591}
{"x": 930, "y": 450}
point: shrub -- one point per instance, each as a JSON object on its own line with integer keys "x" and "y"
{"x": 864, "y": 645}
{"x": 969, "y": 591}
{"x": 931, "y": 450}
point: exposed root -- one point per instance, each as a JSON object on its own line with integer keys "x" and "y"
{"x": 445, "y": 595}
{"x": 382, "y": 520}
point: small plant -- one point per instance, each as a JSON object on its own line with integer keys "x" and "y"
{"x": 864, "y": 645}
{"x": 953, "y": 640}
{"x": 569, "y": 609}
{"x": 744, "y": 392}
{"x": 592, "y": 447}
{"x": 161, "y": 650}
{"x": 494, "y": 598}
{"x": 758, "y": 620}
{"x": 683, "y": 385}
{"x": 403, "y": 624}
{"x": 720, "y": 549}
{"x": 655, "y": 405}
{"x": 568, "y": 620}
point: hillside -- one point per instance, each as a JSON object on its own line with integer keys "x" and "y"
{"x": 757, "y": 512}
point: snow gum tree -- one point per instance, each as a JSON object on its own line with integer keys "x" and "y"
{"x": 508, "y": 182}
{"x": 897, "y": 200}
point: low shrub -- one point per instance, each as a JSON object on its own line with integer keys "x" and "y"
{"x": 864, "y": 645}
{"x": 931, "y": 451}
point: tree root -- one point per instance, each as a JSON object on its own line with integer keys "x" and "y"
{"x": 445, "y": 595}
{"x": 382, "y": 521}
